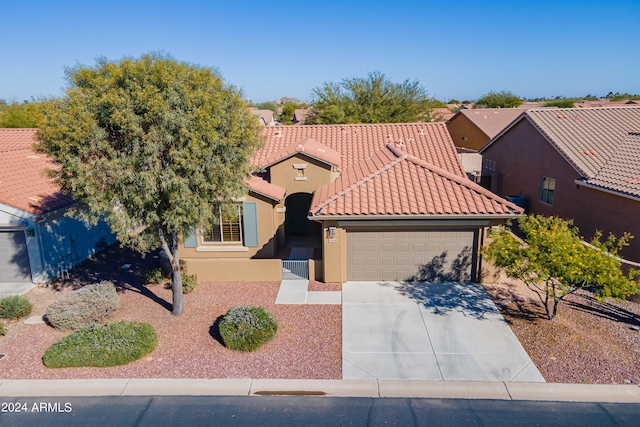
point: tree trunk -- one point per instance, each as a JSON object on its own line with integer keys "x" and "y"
{"x": 176, "y": 278}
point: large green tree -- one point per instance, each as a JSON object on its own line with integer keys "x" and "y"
{"x": 155, "y": 146}
{"x": 373, "y": 99}
{"x": 502, "y": 99}
{"x": 553, "y": 261}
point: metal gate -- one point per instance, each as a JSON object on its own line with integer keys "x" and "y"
{"x": 295, "y": 269}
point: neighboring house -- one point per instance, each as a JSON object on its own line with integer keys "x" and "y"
{"x": 473, "y": 129}
{"x": 300, "y": 115}
{"x": 442, "y": 114}
{"x": 580, "y": 164}
{"x": 266, "y": 117}
{"x": 361, "y": 202}
{"x": 37, "y": 242}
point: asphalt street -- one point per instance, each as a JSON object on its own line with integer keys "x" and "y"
{"x": 141, "y": 411}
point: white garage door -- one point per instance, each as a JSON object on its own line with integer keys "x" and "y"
{"x": 404, "y": 255}
{"x": 14, "y": 258}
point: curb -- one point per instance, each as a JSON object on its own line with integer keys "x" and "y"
{"x": 494, "y": 390}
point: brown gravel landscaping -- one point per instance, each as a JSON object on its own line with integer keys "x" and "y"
{"x": 307, "y": 345}
{"x": 588, "y": 341}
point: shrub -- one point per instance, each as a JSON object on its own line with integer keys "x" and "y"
{"x": 189, "y": 282}
{"x": 14, "y": 307}
{"x": 96, "y": 345}
{"x": 153, "y": 276}
{"x": 91, "y": 304}
{"x": 247, "y": 328}
{"x": 3, "y": 332}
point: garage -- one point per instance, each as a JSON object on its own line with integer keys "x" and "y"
{"x": 410, "y": 254}
{"x": 14, "y": 258}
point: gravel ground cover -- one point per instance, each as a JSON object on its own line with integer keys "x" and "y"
{"x": 307, "y": 345}
{"x": 588, "y": 342}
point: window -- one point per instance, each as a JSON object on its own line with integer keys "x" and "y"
{"x": 228, "y": 228}
{"x": 547, "y": 189}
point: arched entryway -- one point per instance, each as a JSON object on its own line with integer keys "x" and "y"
{"x": 298, "y": 228}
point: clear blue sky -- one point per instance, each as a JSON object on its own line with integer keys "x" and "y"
{"x": 271, "y": 49}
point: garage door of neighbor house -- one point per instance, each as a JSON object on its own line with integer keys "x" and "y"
{"x": 14, "y": 258}
{"x": 401, "y": 255}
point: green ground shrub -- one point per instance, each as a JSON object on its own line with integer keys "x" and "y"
{"x": 153, "y": 276}
{"x": 96, "y": 345}
{"x": 3, "y": 331}
{"x": 247, "y": 328}
{"x": 189, "y": 282}
{"x": 88, "y": 305}
{"x": 14, "y": 307}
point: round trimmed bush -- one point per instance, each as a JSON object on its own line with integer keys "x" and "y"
{"x": 247, "y": 328}
{"x": 83, "y": 307}
{"x": 14, "y": 307}
{"x": 96, "y": 345}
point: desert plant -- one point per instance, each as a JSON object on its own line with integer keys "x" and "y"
{"x": 96, "y": 345}
{"x": 91, "y": 304}
{"x": 14, "y": 307}
{"x": 247, "y": 328}
{"x": 153, "y": 276}
{"x": 3, "y": 331}
{"x": 189, "y": 282}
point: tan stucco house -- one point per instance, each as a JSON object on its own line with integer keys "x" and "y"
{"x": 357, "y": 202}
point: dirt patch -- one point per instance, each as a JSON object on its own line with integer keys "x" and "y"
{"x": 307, "y": 345}
{"x": 588, "y": 342}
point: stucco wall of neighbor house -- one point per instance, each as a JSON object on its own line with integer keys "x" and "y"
{"x": 334, "y": 253}
{"x": 524, "y": 157}
{"x": 289, "y": 174}
{"x": 66, "y": 242}
{"x": 234, "y": 270}
{"x": 461, "y": 127}
{"x": 270, "y": 220}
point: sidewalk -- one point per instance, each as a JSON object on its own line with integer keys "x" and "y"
{"x": 610, "y": 393}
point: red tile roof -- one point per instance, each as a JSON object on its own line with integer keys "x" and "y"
{"x": 309, "y": 147}
{"x": 355, "y": 143}
{"x": 260, "y": 186}
{"x": 491, "y": 120}
{"x": 395, "y": 183}
{"x": 23, "y": 181}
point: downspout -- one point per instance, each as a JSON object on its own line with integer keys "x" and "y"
{"x": 43, "y": 264}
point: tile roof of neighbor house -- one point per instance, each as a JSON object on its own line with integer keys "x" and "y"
{"x": 621, "y": 173}
{"x": 266, "y": 116}
{"x": 586, "y": 138}
{"x": 491, "y": 120}
{"x": 300, "y": 115}
{"x": 23, "y": 181}
{"x": 395, "y": 183}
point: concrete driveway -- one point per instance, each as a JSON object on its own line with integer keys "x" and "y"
{"x": 428, "y": 331}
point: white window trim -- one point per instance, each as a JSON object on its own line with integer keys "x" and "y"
{"x": 230, "y": 244}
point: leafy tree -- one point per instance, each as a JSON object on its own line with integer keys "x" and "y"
{"x": 19, "y": 115}
{"x": 503, "y": 99}
{"x": 373, "y": 99}
{"x": 554, "y": 262}
{"x": 153, "y": 145}
{"x": 269, "y": 106}
{"x": 288, "y": 110}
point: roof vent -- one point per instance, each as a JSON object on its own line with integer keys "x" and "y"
{"x": 278, "y": 134}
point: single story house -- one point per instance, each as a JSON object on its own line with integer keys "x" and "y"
{"x": 357, "y": 203}
{"x": 473, "y": 129}
{"x": 37, "y": 241}
{"x": 577, "y": 163}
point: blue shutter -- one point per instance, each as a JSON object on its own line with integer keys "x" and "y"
{"x": 191, "y": 239}
{"x": 250, "y": 213}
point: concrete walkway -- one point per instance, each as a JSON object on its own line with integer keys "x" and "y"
{"x": 9, "y": 289}
{"x": 421, "y": 331}
{"x": 350, "y": 388}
